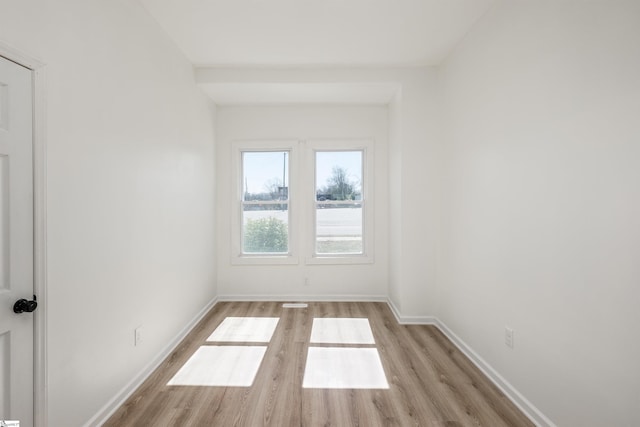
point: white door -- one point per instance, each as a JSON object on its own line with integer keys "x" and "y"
{"x": 16, "y": 243}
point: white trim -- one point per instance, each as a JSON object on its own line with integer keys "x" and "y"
{"x": 527, "y": 408}
{"x": 411, "y": 320}
{"x": 40, "y": 358}
{"x": 367, "y": 146}
{"x": 41, "y": 361}
{"x": 346, "y": 259}
{"x": 120, "y": 398}
{"x": 266, "y": 259}
{"x": 304, "y": 298}
{"x": 19, "y": 57}
{"x": 534, "y": 414}
{"x": 237, "y": 190}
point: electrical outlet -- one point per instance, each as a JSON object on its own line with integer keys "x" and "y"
{"x": 137, "y": 336}
{"x": 306, "y": 281}
{"x": 508, "y": 337}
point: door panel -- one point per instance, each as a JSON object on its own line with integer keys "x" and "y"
{"x": 4, "y": 222}
{"x": 16, "y": 243}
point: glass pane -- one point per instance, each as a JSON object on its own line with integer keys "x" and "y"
{"x": 339, "y": 229}
{"x": 265, "y": 229}
{"x": 265, "y": 175}
{"x": 338, "y": 175}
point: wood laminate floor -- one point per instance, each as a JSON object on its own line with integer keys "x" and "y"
{"x": 431, "y": 383}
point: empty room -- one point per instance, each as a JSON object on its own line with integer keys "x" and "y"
{"x": 304, "y": 213}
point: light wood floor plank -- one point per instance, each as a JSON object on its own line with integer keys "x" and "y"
{"x": 431, "y": 382}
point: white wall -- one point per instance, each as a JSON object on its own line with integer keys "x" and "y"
{"x": 413, "y": 149}
{"x": 417, "y": 215}
{"x": 130, "y": 177}
{"x": 541, "y": 196}
{"x": 302, "y": 123}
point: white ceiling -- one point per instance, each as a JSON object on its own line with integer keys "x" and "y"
{"x": 316, "y": 32}
{"x": 300, "y": 93}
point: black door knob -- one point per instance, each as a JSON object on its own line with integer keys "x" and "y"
{"x": 25, "y": 306}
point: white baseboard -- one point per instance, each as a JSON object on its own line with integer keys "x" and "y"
{"x": 410, "y": 320}
{"x": 305, "y": 298}
{"x": 118, "y": 400}
{"x": 534, "y": 414}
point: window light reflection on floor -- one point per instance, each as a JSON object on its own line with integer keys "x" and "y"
{"x": 341, "y": 331}
{"x": 326, "y": 367}
{"x": 354, "y": 368}
{"x": 245, "y": 329}
{"x": 343, "y": 367}
{"x": 228, "y": 366}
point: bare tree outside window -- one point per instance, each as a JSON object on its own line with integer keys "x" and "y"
{"x": 339, "y": 202}
{"x": 341, "y": 185}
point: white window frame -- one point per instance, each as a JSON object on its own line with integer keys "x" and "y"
{"x": 302, "y": 202}
{"x": 367, "y": 148}
{"x": 237, "y": 256}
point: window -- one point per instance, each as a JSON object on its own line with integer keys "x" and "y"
{"x": 338, "y": 203}
{"x": 341, "y": 217}
{"x": 263, "y": 223}
{"x": 265, "y": 202}
{"x": 329, "y": 213}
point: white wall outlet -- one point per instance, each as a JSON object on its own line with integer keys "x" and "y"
{"x": 306, "y": 281}
{"x": 137, "y": 336}
{"x": 508, "y": 337}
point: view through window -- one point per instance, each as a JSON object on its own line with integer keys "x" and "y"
{"x": 265, "y": 202}
{"x": 311, "y": 195}
{"x": 338, "y": 202}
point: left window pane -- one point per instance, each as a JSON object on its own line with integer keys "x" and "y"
{"x": 265, "y": 202}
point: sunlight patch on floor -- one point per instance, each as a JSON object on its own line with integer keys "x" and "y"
{"x": 329, "y": 367}
{"x": 229, "y": 366}
{"x": 341, "y": 331}
{"x": 245, "y": 329}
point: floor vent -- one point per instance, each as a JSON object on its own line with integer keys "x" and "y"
{"x": 295, "y": 305}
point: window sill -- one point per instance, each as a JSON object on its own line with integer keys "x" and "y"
{"x": 339, "y": 260}
{"x": 264, "y": 260}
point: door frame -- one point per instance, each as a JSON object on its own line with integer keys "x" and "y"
{"x": 40, "y": 383}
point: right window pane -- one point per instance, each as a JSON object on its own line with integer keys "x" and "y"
{"x": 339, "y": 202}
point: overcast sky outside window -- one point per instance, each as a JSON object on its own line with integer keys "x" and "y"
{"x": 262, "y": 168}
